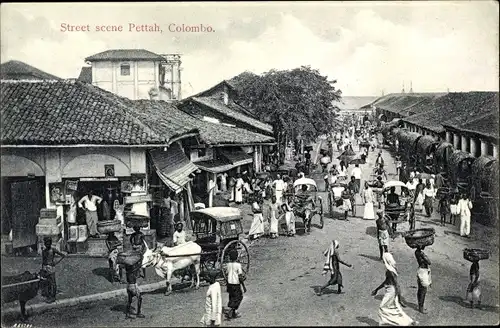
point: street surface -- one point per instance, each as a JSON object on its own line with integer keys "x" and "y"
{"x": 284, "y": 273}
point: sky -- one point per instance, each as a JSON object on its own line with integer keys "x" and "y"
{"x": 368, "y": 47}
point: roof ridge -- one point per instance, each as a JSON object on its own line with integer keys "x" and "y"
{"x": 66, "y": 81}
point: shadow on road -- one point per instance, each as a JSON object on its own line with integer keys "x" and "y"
{"x": 451, "y": 233}
{"x": 368, "y": 321}
{"x": 371, "y": 257}
{"x": 371, "y": 231}
{"x": 460, "y": 301}
{"x": 326, "y": 291}
{"x": 102, "y": 272}
{"x": 120, "y": 308}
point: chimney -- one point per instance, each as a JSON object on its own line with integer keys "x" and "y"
{"x": 226, "y": 95}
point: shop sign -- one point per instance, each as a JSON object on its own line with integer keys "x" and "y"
{"x": 138, "y": 199}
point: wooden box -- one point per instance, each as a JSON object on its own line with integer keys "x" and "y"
{"x": 97, "y": 247}
{"x": 48, "y": 230}
{"x": 50, "y": 221}
{"x": 49, "y": 213}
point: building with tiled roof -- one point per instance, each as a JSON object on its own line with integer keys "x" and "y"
{"x": 70, "y": 113}
{"x": 468, "y": 120}
{"x": 399, "y": 105}
{"x": 60, "y": 139}
{"x": 16, "y": 70}
{"x": 218, "y": 102}
{"x": 135, "y": 73}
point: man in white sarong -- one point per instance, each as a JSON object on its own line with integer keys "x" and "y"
{"x": 279, "y": 186}
{"x": 368, "y": 199}
{"x": 289, "y": 218}
{"x": 257, "y": 228}
{"x": 273, "y": 213}
{"x": 423, "y": 277}
{"x": 464, "y": 207}
{"x": 213, "y": 302}
{"x": 238, "y": 192}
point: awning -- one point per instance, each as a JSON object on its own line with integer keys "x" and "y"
{"x": 237, "y": 157}
{"x": 215, "y": 166}
{"x": 172, "y": 166}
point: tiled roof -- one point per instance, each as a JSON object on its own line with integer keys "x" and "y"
{"x": 72, "y": 112}
{"x": 162, "y": 112}
{"x": 86, "y": 74}
{"x": 454, "y": 108}
{"x": 486, "y": 125}
{"x": 220, "y": 107}
{"x": 353, "y": 103}
{"x": 401, "y": 103}
{"x": 125, "y": 54}
{"x": 16, "y": 70}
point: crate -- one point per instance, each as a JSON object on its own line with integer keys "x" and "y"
{"x": 48, "y": 230}
{"x": 80, "y": 247}
{"x": 50, "y": 221}
{"x": 73, "y": 233}
{"x": 82, "y": 232}
{"x": 49, "y": 213}
{"x": 97, "y": 247}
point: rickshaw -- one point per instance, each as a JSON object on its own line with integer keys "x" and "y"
{"x": 217, "y": 231}
{"x": 303, "y": 210}
{"x": 402, "y": 210}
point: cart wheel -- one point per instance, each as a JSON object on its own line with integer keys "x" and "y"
{"x": 243, "y": 256}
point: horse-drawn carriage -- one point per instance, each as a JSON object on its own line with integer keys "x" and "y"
{"x": 399, "y": 205}
{"x": 307, "y": 204}
{"x": 217, "y": 232}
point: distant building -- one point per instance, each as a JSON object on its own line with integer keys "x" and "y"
{"x": 16, "y": 70}
{"x": 135, "y": 74}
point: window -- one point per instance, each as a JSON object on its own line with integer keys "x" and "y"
{"x": 125, "y": 69}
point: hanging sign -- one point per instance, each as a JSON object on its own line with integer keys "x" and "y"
{"x": 57, "y": 192}
{"x": 138, "y": 199}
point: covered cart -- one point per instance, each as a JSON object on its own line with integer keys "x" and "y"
{"x": 442, "y": 157}
{"x": 426, "y": 147}
{"x": 305, "y": 209}
{"x": 460, "y": 169}
{"x": 218, "y": 231}
{"x": 399, "y": 207}
{"x": 485, "y": 189}
{"x": 408, "y": 146}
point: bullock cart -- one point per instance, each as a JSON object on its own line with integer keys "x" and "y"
{"x": 217, "y": 232}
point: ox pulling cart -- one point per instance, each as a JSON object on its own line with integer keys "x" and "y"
{"x": 217, "y": 231}
{"x": 399, "y": 206}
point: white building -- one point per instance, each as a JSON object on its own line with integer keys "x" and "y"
{"x": 135, "y": 73}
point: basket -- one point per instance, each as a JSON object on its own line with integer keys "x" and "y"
{"x": 128, "y": 257}
{"x": 420, "y": 237}
{"x": 134, "y": 220}
{"x": 475, "y": 254}
{"x": 109, "y": 226}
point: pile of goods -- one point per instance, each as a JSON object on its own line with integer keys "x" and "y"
{"x": 129, "y": 257}
{"x": 49, "y": 226}
{"x": 476, "y": 254}
{"x": 420, "y": 237}
{"x": 109, "y": 226}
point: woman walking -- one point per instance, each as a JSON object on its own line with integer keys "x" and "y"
{"x": 368, "y": 199}
{"x": 257, "y": 228}
{"x": 332, "y": 264}
{"x": 390, "y": 311}
{"x": 419, "y": 195}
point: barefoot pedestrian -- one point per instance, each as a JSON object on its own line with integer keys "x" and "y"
{"x": 132, "y": 272}
{"x": 474, "y": 290}
{"x": 213, "y": 302}
{"x": 49, "y": 268}
{"x": 332, "y": 265}
{"x": 383, "y": 233}
{"x": 423, "y": 277}
{"x": 235, "y": 282}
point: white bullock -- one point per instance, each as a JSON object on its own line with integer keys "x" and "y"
{"x": 167, "y": 260}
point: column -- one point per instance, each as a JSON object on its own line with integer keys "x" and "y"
{"x": 474, "y": 147}
{"x": 456, "y": 141}
{"x": 495, "y": 151}
{"x": 449, "y": 137}
{"x": 256, "y": 159}
{"x": 464, "y": 143}
{"x": 484, "y": 148}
